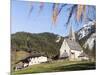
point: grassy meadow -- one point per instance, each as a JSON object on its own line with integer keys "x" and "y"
{"x": 57, "y": 66}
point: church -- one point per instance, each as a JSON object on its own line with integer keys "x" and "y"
{"x": 71, "y": 49}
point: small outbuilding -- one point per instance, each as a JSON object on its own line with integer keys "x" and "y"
{"x": 31, "y": 60}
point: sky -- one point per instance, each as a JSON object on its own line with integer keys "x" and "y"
{"x": 41, "y": 22}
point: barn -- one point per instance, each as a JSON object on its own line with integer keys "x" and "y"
{"x": 31, "y": 60}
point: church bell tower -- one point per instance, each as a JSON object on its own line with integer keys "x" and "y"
{"x": 71, "y": 34}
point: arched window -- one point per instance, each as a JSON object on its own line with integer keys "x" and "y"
{"x": 72, "y": 53}
{"x": 64, "y": 50}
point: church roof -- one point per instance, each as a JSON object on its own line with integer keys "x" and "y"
{"x": 73, "y": 45}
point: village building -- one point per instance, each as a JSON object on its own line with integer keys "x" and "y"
{"x": 32, "y": 59}
{"x": 83, "y": 56}
{"x": 71, "y": 49}
{"x": 37, "y": 59}
{"x": 18, "y": 66}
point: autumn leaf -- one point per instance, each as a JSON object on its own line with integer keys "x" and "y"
{"x": 55, "y": 13}
{"x": 80, "y": 10}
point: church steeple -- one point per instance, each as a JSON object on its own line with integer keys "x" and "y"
{"x": 71, "y": 34}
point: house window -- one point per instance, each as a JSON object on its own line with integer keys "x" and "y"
{"x": 64, "y": 50}
{"x": 72, "y": 53}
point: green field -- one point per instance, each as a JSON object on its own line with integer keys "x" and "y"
{"x": 57, "y": 66}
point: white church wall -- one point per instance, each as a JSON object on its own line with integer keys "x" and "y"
{"x": 84, "y": 58}
{"x": 64, "y": 47}
{"x": 77, "y": 53}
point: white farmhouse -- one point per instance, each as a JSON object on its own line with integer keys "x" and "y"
{"x": 37, "y": 60}
{"x": 30, "y": 60}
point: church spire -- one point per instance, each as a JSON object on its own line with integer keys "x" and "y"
{"x": 71, "y": 33}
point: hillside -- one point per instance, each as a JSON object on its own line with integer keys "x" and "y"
{"x": 86, "y": 36}
{"x": 43, "y": 43}
{"x": 49, "y": 44}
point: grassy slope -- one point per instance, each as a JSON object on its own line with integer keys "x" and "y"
{"x": 57, "y": 66}
{"x": 43, "y": 43}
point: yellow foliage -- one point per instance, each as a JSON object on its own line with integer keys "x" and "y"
{"x": 80, "y": 10}
{"x": 55, "y": 14}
